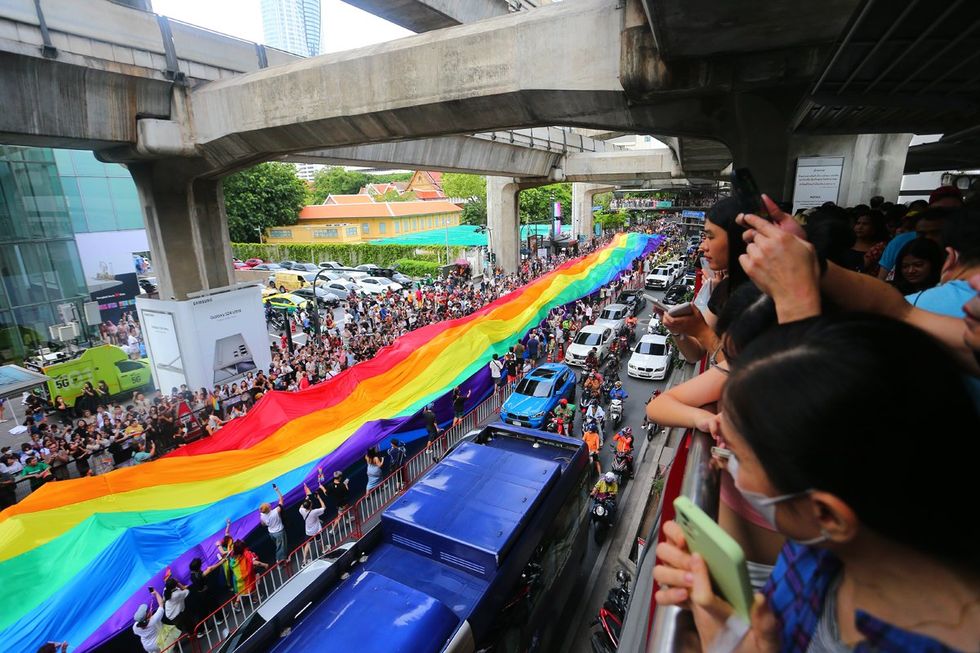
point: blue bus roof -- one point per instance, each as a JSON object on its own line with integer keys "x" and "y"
{"x": 471, "y": 507}
{"x": 460, "y": 517}
{"x": 412, "y": 620}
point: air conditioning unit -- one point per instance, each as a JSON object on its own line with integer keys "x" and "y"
{"x": 64, "y": 332}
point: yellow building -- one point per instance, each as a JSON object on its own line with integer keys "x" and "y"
{"x": 339, "y": 220}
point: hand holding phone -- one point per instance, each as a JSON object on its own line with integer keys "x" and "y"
{"x": 746, "y": 192}
{"x": 681, "y": 310}
{"x": 722, "y": 555}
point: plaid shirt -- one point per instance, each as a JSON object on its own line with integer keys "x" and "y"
{"x": 796, "y": 591}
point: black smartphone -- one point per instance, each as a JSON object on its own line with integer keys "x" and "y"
{"x": 747, "y": 193}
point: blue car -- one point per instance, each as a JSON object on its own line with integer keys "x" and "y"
{"x": 537, "y": 394}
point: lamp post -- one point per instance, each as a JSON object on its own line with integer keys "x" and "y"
{"x": 259, "y": 232}
{"x": 316, "y": 307}
{"x": 445, "y": 223}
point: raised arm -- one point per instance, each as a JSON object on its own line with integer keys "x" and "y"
{"x": 278, "y": 494}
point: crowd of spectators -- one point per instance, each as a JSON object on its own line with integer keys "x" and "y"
{"x": 100, "y": 432}
{"x": 842, "y": 391}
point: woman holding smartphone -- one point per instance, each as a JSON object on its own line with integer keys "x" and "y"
{"x": 722, "y": 245}
{"x": 881, "y": 555}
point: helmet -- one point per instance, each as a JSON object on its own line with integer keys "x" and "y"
{"x": 610, "y": 477}
{"x": 619, "y": 384}
{"x": 563, "y": 402}
{"x": 627, "y": 432}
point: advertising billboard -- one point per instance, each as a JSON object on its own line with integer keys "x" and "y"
{"x": 217, "y": 338}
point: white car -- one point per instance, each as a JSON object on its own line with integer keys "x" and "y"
{"x": 661, "y": 277}
{"x": 678, "y": 267}
{"x": 650, "y": 359}
{"x": 613, "y": 316}
{"x": 590, "y": 336}
{"x": 353, "y": 275}
{"x": 331, "y": 265}
{"x": 370, "y": 268}
{"x": 339, "y": 288}
{"x": 378, "y": 285}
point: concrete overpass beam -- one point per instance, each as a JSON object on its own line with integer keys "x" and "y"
{"x": 186, "y": 226}
{"x": 503, "y": 220}
{"x": 555, "y": 65}
{"x": 426, "y": 15}
{"x": 583, "y": 196}
{"x": 613, "y": 166}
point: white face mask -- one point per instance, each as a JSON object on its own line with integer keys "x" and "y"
{"x": 766, "y": 506}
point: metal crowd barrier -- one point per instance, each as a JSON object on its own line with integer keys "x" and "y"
{"x": 223, "y": 623}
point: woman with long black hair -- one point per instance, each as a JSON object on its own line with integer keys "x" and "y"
{"x": 881, "y": 548}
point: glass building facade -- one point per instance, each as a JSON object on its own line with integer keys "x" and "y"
{"x": 40, "y": 267}
{"x": 100, "y": 196}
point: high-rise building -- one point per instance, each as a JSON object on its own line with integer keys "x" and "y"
{"x": 307, "y": 171}
{"x": 292, "y": 25}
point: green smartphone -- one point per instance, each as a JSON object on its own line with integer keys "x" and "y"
{"x": 722, "y": 554}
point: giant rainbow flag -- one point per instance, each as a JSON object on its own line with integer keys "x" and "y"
{"x": 76, "y": 556}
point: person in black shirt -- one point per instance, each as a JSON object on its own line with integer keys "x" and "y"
{"x": 431, "y": 425}
{"x": 339, "y": 491}
{"x": 459, "y": 404}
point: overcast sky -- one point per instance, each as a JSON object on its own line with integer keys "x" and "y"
{"x": 343, "y": 27}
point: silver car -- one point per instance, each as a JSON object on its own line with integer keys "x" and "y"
{"x": 613, "y": 316}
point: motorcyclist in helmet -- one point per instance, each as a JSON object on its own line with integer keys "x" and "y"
{"x": 606, "y": 488}
{"x": 624, "y": 440}
{"x": 618, "y": 392}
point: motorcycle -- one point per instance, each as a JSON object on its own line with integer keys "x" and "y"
{"x": 622, "y": 467}
{"x": 588, "y": 399}
{"x": 605, "y": 639}
{"x": 556, "y": 424}
{"x": 607, "y": 385}
{"x": 615, "y": 413}
{"x": 651, "y": 429}
{"x": 603, "y": 514}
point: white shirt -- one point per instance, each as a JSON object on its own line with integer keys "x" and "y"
{"x": 148, "y": 634}
{"x": 312, "y": 518}
{"x": 272, "y": 519}
{"x": 175, "y": 604}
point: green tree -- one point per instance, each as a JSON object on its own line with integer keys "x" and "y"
{"x": 395, "y": 196}
{"x": 611, "y": 219}
{"x": 474, "y": 213}
{"x": 456, "y": 184}
{"x": 337, "y": 181}
{"x": 389, "y": 177}
{"x": 603, "y": 200}
{"x": 267, "y": 195}
{"x": 536, "y": 204}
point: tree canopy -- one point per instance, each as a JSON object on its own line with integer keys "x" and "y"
{"x": 536, "y": 204}
{"x": 456, "y": 184}
{"x": 266, "y": 195}
{"x": 337, "y": 181}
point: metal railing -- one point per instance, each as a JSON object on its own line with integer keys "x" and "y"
{"x": 349, "y": 525}
{"x": 672, "y": 627}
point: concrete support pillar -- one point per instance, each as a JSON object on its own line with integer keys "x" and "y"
{"x": 186, "y": 226}
{"x": 873, "y": 164}
{"x": 503, "y": 221}
{"x": 583, "y": 196}
{"x": 757, "y": 134}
